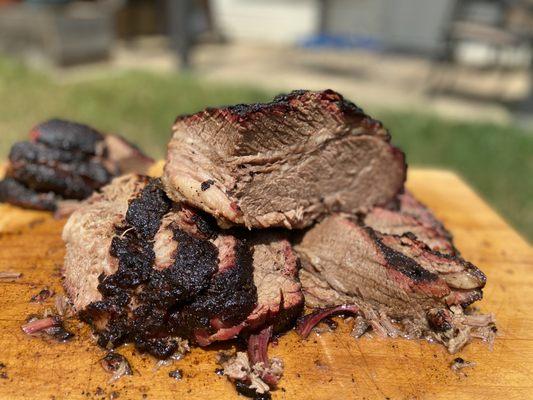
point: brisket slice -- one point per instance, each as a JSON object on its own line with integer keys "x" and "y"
{"x": 407, "y": 215}
{"x": 14, "y": 192}
{"x": 284, "y": 163}
{"x": 164, "y": 270}
{"x": 66, "y": 160}
{"x": 276, "y": 266}
{"x": 400, "y": 284}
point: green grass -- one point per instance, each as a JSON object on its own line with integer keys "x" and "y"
{"x": 496, "y": 160}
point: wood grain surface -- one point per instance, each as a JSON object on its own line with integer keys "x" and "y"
{"x": 330, "y": 366}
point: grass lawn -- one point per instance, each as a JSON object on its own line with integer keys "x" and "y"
{"x": 497, "y": 161}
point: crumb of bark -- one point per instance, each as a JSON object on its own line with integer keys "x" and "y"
{"x": 116, "y": 364}
{"x": 176, "y": 374}
{"x": 459, "y": 363}
{"x": 42, "y": 296}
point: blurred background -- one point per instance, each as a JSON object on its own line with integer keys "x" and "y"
{"x": 451, "y": 79}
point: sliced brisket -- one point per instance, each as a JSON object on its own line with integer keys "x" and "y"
{"x": 276, "y": 266}
{"x": 407, "y": 215}
{"x": 142, "y": 269}
{"x": 284, "y": 163}
{"x": 399, "y": 283}
{"x": 14, "y": 192}
{"x": 66, "y": 160}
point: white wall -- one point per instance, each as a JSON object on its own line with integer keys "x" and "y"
{"x": 279, "y": 21}
{"x": 415, "y": 25}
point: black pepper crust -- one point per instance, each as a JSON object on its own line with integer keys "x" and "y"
{"x": 180, "y": 300}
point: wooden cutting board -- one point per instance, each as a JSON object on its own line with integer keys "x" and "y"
{"x": 329, "y": 366}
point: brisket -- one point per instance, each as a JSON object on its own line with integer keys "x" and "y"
{"x": 65, "y": 160}
{"x": 284, "y": 163}
{"x": 398, "y": 282}
{"x": 14, "y": 192}
{"x": 142, "y": 269}
{"x": 408, "y": 215}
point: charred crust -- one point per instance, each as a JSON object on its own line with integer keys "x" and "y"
{"x": 290, "y": 102}
{"x": 67, "y": 135}
{"x": 14, "y": 192}
{"x": 229, "y": 297}
{"x": 205, "y": 223}
{"x": 195, "y": 263}
{"x": 401, "y": 262}
{"x": 90, "y": 171}
{"x": 176, "y": 301}
{"x": 147, "y": 210}
{"x": 452, "y": 257}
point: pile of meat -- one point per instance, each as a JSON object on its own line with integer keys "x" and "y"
{"x": 263, "y": 209}
{"x": 65, "y": 160}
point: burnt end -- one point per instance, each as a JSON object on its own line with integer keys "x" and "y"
{"x": 146, "y": 211}
{"x": 43, "y": 178}
{"x": 67, "y": 135}
{"x": 230, "y": 297}
{"x": 16, "y": 193}
{"x": 401, "y": 262}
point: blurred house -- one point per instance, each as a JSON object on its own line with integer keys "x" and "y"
{"x": 65, "y": 30}
{"x": 410, "y": 25}
{"x": 479, "y": 34}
